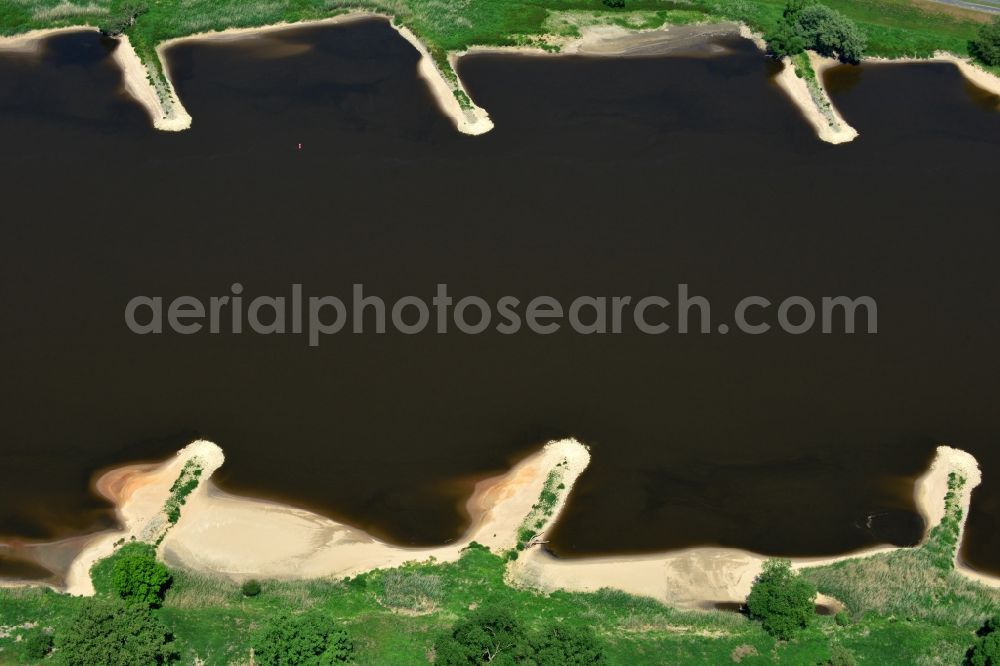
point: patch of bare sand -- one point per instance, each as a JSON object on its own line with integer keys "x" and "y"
{"x": 242, "y": 537}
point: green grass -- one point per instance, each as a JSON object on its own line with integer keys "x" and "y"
{"x": 908, "y": 607}
{"x": 396, "y": 615}
{"x": 913, "y": 584}
{"x": 895, "y": 27}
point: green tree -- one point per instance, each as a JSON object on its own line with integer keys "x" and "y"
{"x": 309, "y": 640}
{"x": 561, "y": 645}
{"x": 489, "y": 635}
{"x": 137, "y": 576}
{"x": 806, "y": 24}
{"x": 785, "y": 40}
{"x": 110, "y": 631}
{"x": 986, "y": 650}
{"x": 783, "y": 601}
{"x": 986, "y": 47}
{"x": 38, "y": 644}
{"x": 122, "y": 18}
{"x": 830, "y": 33}
{"x": 841, "y": 656}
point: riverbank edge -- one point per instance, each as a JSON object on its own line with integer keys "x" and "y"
{"x": 702, "y": 577}
{"x": 219, "y": 534}
{"x": 168, "y": 113}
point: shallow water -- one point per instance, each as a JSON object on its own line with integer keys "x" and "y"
{"x": 602, "y": 177}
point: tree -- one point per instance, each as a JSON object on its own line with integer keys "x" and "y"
{"x": 561, "y": 645}
{"x": 121, "y": 20}
{"x": 986, "y": 650}
{"x": 309, "y": 640}
{"x": 110, "y": 631}
{"x": 489, "y": 635}
{"x": 986, "y": 47}
{"x": 783, "y": 601}
{"x": 806, "y": 24}
{"x": 137, "y": 576}
{"x": 38, "y": 645}
{"x": 830, "y": 33}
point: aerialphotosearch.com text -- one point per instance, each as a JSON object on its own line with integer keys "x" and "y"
{"x": 316, "y": 317}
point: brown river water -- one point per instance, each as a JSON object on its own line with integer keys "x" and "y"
{"x": 602, "y": 177}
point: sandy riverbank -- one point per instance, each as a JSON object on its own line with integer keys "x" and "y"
{"x": 473, "y": 120}
{"x": 239, "y": 537}
{"x": 699, "y": 577}
{"x": 31, "y": 42}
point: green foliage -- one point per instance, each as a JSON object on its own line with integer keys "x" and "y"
{"x": 841, "y": 656}
{"x": 986, "y": 650}
{"x": 181, "y": 488}
{"x": 38, "y": 644}
{"x": 250, "y": 588}
{"x": 562, "y": 645}
{"x": 110, "y": 631}
{"x": 488, "y": 635}
{"x": 842, "y": 619}
{"x": 137, "y": 576}
{"x": 986, "y": 46}
{"x": 806, "y": 24}
{"x": 309, "y": 640}
{"x": 122, "y": 18}
{"x": 782, "y": 600}
{"x": 409, "y": 588}
{"x": 614, "y": 4}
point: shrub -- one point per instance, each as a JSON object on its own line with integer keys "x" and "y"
{"x": 137, "y": 576}
{"x": 986, "y": 650}
{"x": 250, "y": 588}
{"x": 123, "y": 19}
{"x": 110, "y": 631}
{"x": 986, "y": 47}
{"x": 490, "y": 634}
{"x": 561, "y": 645}
{"x": 842, "y": 619}
{"x": 38, "y": 645}
{"x": 309, "y": 640}
{"x": 783, "y": 601}
{"x": 841, "y": 656}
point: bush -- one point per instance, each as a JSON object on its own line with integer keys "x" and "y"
{"x": 783, "y": 601}
{"x": 309, "y": 640}
{"x": 123, "y": 19}
{"x": 986, "y": 651}
{"x": 841, "y": 656}
{"x": 986, "y": 47}
{"x": 38, "y": 645}
{"x": 250, "y": 588}
{"x": 561, "y": 645}
{"x": 842, "y": 619}
{"x": 490, "y": 634}
{"x": 110, "y": 631}
{"x": 137, "y": 576}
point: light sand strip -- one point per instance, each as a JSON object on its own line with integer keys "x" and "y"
{"x": 695, "y": 577}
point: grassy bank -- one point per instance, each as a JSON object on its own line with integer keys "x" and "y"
{"x": 895, "y": 27}
{"x": 907, "y": 607}
{"x": 395, "y": 616}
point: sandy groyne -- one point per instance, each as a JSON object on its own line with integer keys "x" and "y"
{"x": 699, "y": 577}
